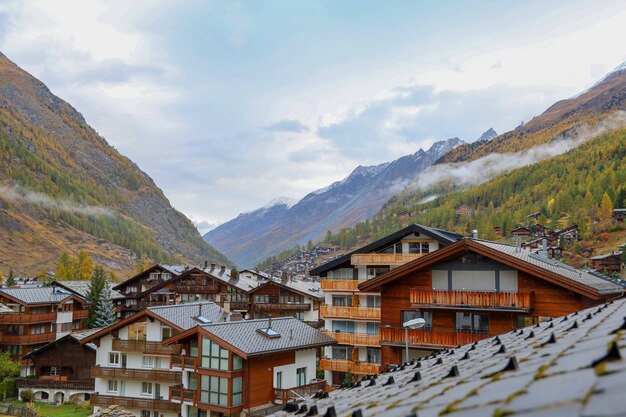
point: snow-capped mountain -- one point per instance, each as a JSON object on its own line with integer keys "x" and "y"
{"x": 252, "y": 237}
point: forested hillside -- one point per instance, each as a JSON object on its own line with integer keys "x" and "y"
{"x": 63, "y": 188}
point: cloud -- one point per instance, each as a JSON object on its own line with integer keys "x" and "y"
{"x": 288, "y": 126}
{"x": 481, "y": 170}
{"x": 415, "y": 116}
{"x": 19, "y": 194}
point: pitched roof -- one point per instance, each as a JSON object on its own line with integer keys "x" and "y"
{"x": 261, "y": 274}
{"x": 442, "y": 236}
{"x": 175, "y": 270}
{"x": 77, "y": 336}
{"x": 307, "y": 288}
{"x": 38, "y": 295}
{"x": 5, "y": 310}
{"x": 606, "y": 255}
{"x": 243, "y": 337}
{"x": 592, "y": 284}
{"x": 570, "y": 366}
{"x": 82, "y": 288}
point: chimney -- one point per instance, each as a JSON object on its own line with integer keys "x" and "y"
{"x": 226, "y": 306}
{"x": 234, "y": 274}
{"x": 222, "y": 269}
{"x": 199, "y": 310}
{"x": 284, "y": 277}
{"x": 269, "y": 322}
{"x": 544, "y": 244}
{"x": 475, "y": 234}
{"x": 212, "y": 266}
{"x": 206, "y": 264}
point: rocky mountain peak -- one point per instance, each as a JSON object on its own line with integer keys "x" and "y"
{"x": 488, "y": 135}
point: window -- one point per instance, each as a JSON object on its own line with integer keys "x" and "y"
{"x": 372, "y": 301}
{"x": 193, "y": 348}
{"x": 342, "y": 300}
{"x": 149, "y": 361}
{"x": 38, "y": 329}
{"x": 166, "y": 275}
{"x": 372, "y": 328}
{"x": 398, "y": 247}
{"x": 167, "y": 332}
{"x": 342, "y": 352}
{"x": 301, "y": 376}
{"x": 373, "y": 355}
{"x": 154, "y": 275}
{"x": 112, "y": 386}
{"x": 414, "y": 248}
{"x": 213, "y": 355}
{"x": 15, "y": 330}
{"x": 55, "y": 371}
{"x": 388, "y": 249}
{"x": 472, "y": 323}
{"x": 214, "y": 390}
{"x": 137, "y": 331}
{"x": 66, "y": 327}
{"x": 237, "y": 391}
{"x": 146, "y": 388}
{"x": 374, "y": 271}
{"x": 412, "y": 314}
{"x": 279, "y": 380}
{"x": 131, "y": 301}
{"x": 237, "y": 363}
{"x": 525, "y": 321}
{"x": 343, "y": 326}
{"x": 77, "y": 324}
{"x": 114, "y": 358}
{"x": 262, "y": 299}
{"x": 425, "y": 248}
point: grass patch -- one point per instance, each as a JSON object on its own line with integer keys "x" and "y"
{"x": 51, "y": 410}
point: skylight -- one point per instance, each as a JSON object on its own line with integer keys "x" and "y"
{"x": 202, "y": 319}
{"x": 269, "y": 332}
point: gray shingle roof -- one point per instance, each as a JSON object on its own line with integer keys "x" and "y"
{"x": 308, "y": 287}
{"x": 182, "y": 315}
{"x": 553, "y": 375}
{"x": 242, "y": 283}
{"x": 39, "y": 295}
{"x": 602, "y": 283}
{"x": 175, "y": 269}
{"x": 82, "y": 288}
{"x": 243, "y": 335}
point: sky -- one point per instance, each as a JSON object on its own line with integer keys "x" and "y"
{"x": 228, "y": 105}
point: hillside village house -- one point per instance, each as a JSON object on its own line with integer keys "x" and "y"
{"x": 81, "y": 288}
{"x": 608, "y": 263}
{"x": 243, "y": 366}
{"x": 39, "y": 315}
{"x": 352, "y": 316}
{"x": 619, "y": 215}
{"x": 473, "y": 289}
{"x": 133, "y": 366}
{"x": 62, "y": 369}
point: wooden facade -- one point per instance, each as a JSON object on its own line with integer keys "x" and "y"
{"x": 609, "y": 263}
{"x": 277, "y": 299}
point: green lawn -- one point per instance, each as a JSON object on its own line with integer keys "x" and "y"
{"x": 51, "y": 410}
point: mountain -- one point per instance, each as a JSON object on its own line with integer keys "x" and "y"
{"x": 593, "y": 104}
{"x": 63, "y": 188}
{"x": 252, "y": 237}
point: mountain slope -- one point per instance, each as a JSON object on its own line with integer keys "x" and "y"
{"x": 604, "y": 97}
{"x": 252, "y": 237}
{"x": 62, "y": 187}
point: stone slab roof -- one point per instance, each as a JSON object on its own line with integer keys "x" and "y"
{"x": 82, "y": 288}
{"x": 182, "y": 315}
{"x": 570, "y": 366}
{"x": 294, "y": 334}
{"x": 38, "y": 295}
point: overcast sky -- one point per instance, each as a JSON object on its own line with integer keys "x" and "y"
{"x": 227, "y": 105}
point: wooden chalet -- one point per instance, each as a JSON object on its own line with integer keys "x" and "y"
{"x": 238, "y": 368}
{"x": 39, "y": 315}
{"x": 608, "y": 263}
{"x": 619, "y": 215}
{"x": 473, "y": 289}
{"x": 521, "y": 231}
{"x": 62, "y": 370}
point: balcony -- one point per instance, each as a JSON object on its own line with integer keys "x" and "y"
{"x": 182, "y": 395}
{"x": 22, "y": 318}
{"x": 345, "y": 312}
{"x": 340, "y": 284}
{"x": 283, "y": 396}
{"x": 80, "y": 314}
{"x": 183, "y": 362}
{"x": 28, "y": 339}
{"x": 55, "y": 384}
{"x": 455, "y": 299}
{"x": 160, "y": 375}
{"x": 196, "y": 289}
{"x": 357, "y": 368}
{"x": 384, "y": 258}
{"x": 145, "y": 347}
{"x": 134, "y": 403}
{"x": 428, "y": 338}
{"x": 355, "y": 339}
{"x": 282, "y": 306}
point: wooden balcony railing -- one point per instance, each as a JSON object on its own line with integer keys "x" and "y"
{"x": 28, "y": 339}
{"x": 384, "y": 258}
{"x": 282, "y": 306}
{"x": 355, "y": 339}
{"x": 145, "y": 347}
{"x": 340, "y": 284}
{"x": 340, "y": 365}
{"x": 345, "y": 312}
{"x": 191, "y": 288}
{"x": 20, "y": 318}
{"x": 183, "y": 362}
{"x": 50, "y": 383}
{"x": 428, "y": 338}
{"x": 162, "y": 375}
{"x": 80, "y": 314}
{"x": 135, "y": 403}
{"x": 178, "y": 393}
{"x": 473, "y": 299}
{"x": 283, "y": 396}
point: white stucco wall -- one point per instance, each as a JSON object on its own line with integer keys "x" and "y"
{"x": 304, "y": 358}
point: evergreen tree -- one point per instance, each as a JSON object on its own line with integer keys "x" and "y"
{"x": 10, "y": 279}
{"x": 105, "y": 310}
{"x": 97, "y": 284}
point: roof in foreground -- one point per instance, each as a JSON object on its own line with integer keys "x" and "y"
{"x": 5, "y": 310}
{"x": 294, "y": 334}
{"x": 182, "y": 315}
{"x": 38, "y": 295}
{"x": 570, "y": 366}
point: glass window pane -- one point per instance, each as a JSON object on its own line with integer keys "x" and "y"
{"x": 237, "y": 363}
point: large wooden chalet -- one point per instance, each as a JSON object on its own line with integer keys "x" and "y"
{"x": 473, "y": 289}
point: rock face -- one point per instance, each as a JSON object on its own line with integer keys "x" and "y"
{"x": 58, "y": 177}
{"x": 252, "y": 237}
